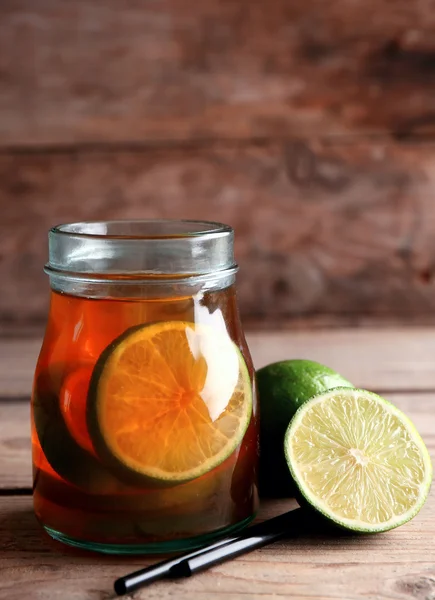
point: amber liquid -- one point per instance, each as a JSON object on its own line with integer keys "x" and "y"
{"x": 80, "y": 499}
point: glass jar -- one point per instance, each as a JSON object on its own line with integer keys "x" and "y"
{"x": 144, "y": 415}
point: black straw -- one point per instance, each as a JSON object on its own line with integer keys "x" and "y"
{"x": 133, "y": 581}
{"x": 292, "y": 522}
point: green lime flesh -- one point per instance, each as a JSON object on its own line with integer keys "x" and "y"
{"x": 358, "y": 460}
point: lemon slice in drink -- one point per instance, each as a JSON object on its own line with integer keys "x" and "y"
{"x": 358, "y": 459}
{"x": 168, "y": 402}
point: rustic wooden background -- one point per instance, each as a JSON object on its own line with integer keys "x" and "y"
{"x": 307, "y": 125}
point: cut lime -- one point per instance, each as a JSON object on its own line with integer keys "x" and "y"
{"x": 358, "y": 460}
{"x": 168, "y": 402}
{"x": 283, "y": 387}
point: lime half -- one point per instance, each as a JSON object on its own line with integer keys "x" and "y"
{"x": 358, "y": 460}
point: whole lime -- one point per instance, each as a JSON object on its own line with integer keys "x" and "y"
{"x": 283, "y": 387}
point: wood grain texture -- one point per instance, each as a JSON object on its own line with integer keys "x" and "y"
{"x": 15, "y": 445}
{"x": 15, "y": 451}
{"x": 390, "y": 360}
{"x": 344, "y": 231}
{"x": 398, "y": 565}
{"x": 179, "y": 69}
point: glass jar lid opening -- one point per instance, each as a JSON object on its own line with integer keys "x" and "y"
{"x": 145, "y": 229}
{"x": 165, "y": 247}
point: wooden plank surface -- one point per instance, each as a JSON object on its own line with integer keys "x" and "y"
{"x": 343, "y": 231}
{"x": 398, "y": 359}
{"x": 398, "y": 565}
{"x": 181, "y": 69}
{"x": 15, "y": 445}
{"x": 184, "y": 109}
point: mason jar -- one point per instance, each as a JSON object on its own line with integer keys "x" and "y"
{"x": 144, "y": 412}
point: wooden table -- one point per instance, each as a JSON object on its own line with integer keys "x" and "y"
{"x": 397, "y": 565}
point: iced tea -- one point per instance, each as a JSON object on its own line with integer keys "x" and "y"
{"x": 144, "y": 420}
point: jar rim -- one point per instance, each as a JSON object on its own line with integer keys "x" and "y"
{"x": 142, "y": 229}
{"x": 162, "y": 248}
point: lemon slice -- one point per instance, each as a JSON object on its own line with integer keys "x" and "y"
{"x": 169, "y": 401}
